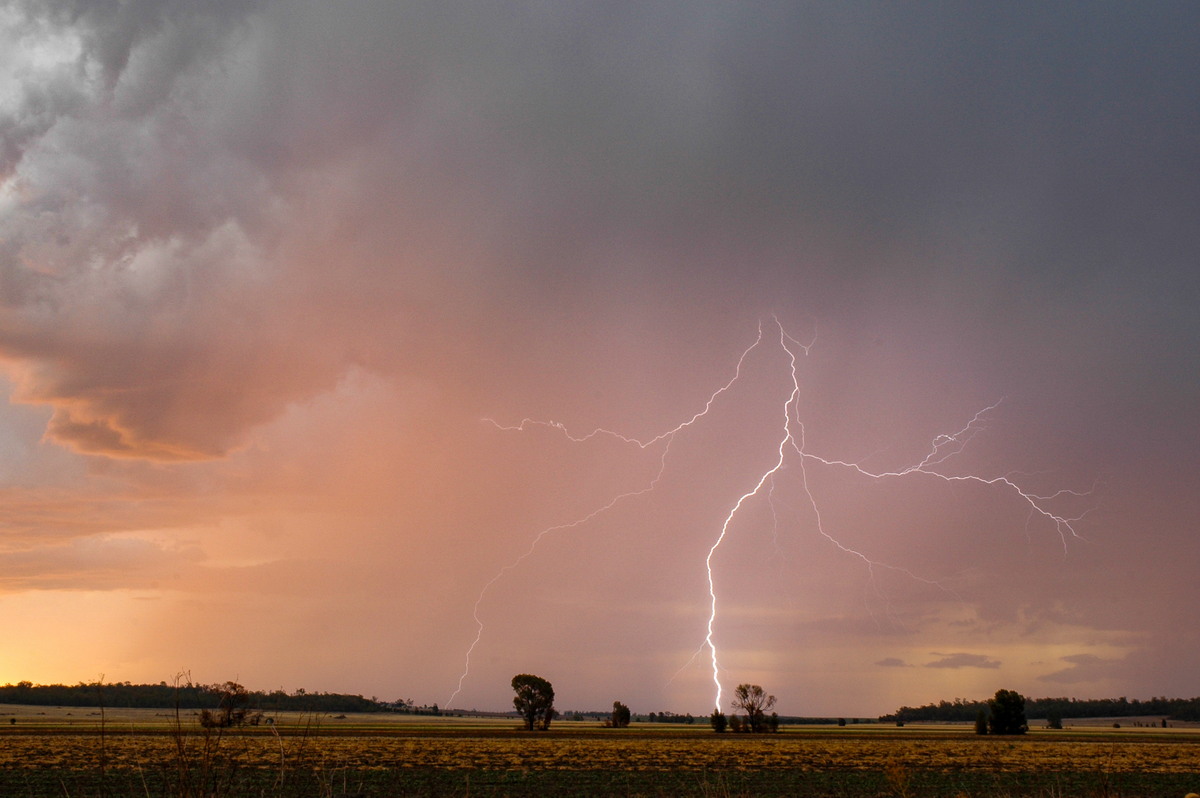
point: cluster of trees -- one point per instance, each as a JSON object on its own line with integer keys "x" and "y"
{"x": 232, "y": 710}
{"x": 406, "y": 706}
{"x": 1005, "y": 714}
{"x": 183, "y": 696}
{"x": 1052, "y": 709}
{"x": 670, "y": 717}
{"x": 754, "y": 702}
{"x": 620, "y": 716}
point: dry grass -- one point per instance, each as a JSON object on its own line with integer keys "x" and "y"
{"x": 145, "y": 751}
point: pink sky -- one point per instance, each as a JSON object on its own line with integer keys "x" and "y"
{"x": 268, "y": 271}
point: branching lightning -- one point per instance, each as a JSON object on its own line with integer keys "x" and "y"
{"x": 784, "y": 442}
{"x": 791, "y": 444}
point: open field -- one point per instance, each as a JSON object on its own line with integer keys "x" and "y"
{"x": 68, "y": 752}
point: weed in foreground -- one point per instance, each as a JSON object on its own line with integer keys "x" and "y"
{"x": 899, "y": 778}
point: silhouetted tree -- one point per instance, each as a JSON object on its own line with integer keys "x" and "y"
{"x": 1007, "y": 713}
{"x": 981, "y": 722}
{"x": 534, "y": 700}
{"x": 233, "y": 709}
{"x": 1053, "y": 719}
{"x": 620, "y": 715}
{"x": 753, "y": 700}
{"x": 719, "y": 721}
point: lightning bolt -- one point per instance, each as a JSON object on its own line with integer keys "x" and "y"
{"x": 791, "y": 444}
{"x": 942, "y": 448}
{"x": 784, "y": 442}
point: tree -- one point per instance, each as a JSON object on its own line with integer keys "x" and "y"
{"x": 981, "y": 722}
{"x": 620, "y": 715}
{"x": 719, "y": 721}
{"x": 233, "y": 709}
{"x": 753, "y": 700}
{"x": 1053, "y": 718}
{"x": 534, "y": 700}
{"x": 1007, "y": 713}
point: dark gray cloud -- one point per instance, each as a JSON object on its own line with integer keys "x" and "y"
{"x": 1083, "y": 668}
{"x": 963, "y": 660}
{"x": 977, "y": 166}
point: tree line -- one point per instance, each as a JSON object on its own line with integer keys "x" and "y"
{"x": 185, "y": 696}
{"x": 201, "y": 696}
{"x": 962, "y": 710}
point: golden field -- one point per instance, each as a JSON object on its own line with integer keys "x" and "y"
{"x": 636, "y": 750}
{"x": 154, "y": 753}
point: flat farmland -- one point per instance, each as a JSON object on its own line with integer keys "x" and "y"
{"x": 148, "y": 754}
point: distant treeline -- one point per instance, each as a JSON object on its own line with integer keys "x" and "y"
{"x": 186, "y": 696}
{"x": 1036, "y": 708}
{"x": 672, "y": 717}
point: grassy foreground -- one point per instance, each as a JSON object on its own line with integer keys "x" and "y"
{"x": 77, "y": 754}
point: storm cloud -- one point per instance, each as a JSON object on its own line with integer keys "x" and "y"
{"x": 264, "y": 267}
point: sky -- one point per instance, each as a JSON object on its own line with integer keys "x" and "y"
{"x": 861, "y": 297}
